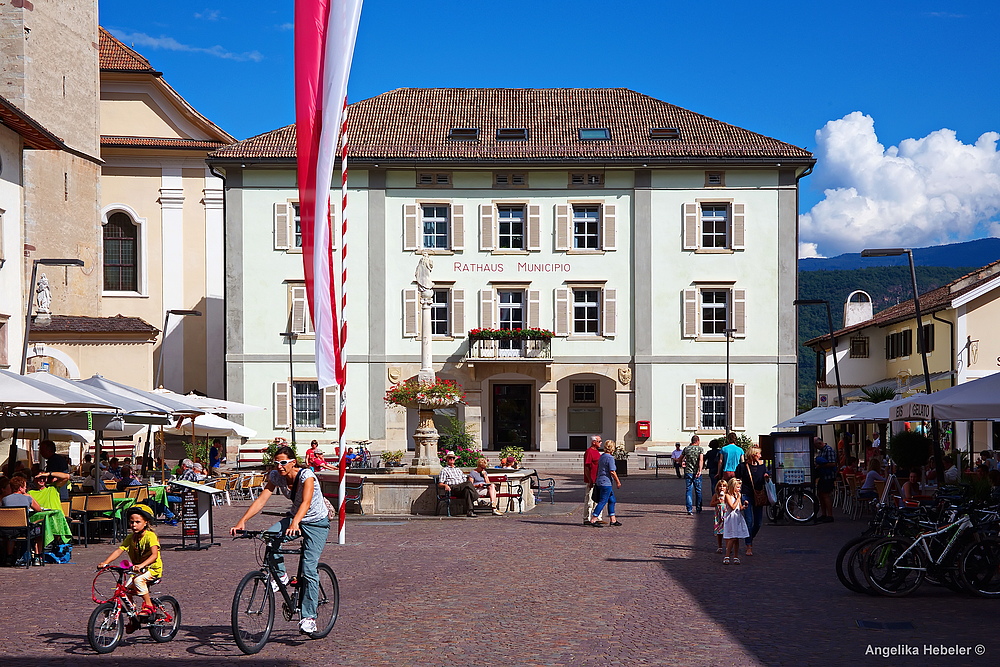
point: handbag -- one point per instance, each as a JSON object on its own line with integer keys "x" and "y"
{"x": 760, "y": 498}
{"x": 595, "y": 494}
{"x": 772, "y": 492}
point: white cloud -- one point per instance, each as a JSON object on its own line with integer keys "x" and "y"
{"x": 171, "y": 44}
{"x": 285, "y": 26}
{"x": 209, "y": 15}
{"x": 926, "y": 191}
{"x": 808, "y": 251}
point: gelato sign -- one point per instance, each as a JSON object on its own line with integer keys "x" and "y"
{"x": 521, "y": 267}
{"x": 905, "y": 411}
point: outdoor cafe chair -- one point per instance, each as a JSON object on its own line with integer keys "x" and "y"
{"x": 77, "y": 517}
{"x": 15, "y": 525}
{"x": 233, "y": 488}
{"x": 221, "y": 498}
{"x": 100, "y": 510}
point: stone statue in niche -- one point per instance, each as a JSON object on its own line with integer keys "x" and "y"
{"x": 43, "y": 295}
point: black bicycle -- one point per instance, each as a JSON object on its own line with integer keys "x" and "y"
{"x": 795, "y": 501}
{"x": 254, "y": 601}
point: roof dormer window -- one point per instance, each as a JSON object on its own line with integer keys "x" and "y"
{"x": 464, "y": 133}
{"x": 512, "y": 134}
{"x": 664, "y": 133}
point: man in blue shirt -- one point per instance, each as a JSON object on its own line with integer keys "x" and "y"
{"x": 826, "y": 474}
{"x": 729, "y": 457}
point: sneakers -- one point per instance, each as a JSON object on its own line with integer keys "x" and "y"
{"x": 274, "y": 584}
{"x": 307, "y": 626}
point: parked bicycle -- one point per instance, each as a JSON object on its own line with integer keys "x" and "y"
{"x": 253, "y": 609}
{"x": 362, "y": 455}
{"x": 796, "y": 501}
{"x": 117, "y": 613}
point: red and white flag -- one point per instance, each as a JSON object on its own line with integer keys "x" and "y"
{"x": 325, "y": 31}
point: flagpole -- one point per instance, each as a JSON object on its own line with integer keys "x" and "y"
{"x": 342, "y": 337}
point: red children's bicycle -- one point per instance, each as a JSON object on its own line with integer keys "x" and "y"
{"x": 117, "y": 614}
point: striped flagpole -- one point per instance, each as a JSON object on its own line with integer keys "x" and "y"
{"x": 342, "y": 333}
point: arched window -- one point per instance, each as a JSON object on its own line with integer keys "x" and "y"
{"x": 121, "y": 268}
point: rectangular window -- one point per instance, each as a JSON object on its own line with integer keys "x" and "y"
{"x": 511, "y": 303}
{"x": 510, "y": 234}
{"x": 714, "y": 312}
{"x": 859, "y": 347}
{"x": 715, "y": 225}
{"x": 506, "y": 179}
{"x": 121, "y": 251}
{"x": 713, "y": 406}
{"x": 435, "y": 226}
{"x": 586, "y": 311}
{"x": 307, "y": 404}
{"x": 715, "y": 178}
{"x": 432, "y": 179}
{"x": 929, "y": 337}
{"x": 587, "y": 227}
{"x": 296, "y": 227}
{"x": 585, "y": 392}
{"x": 440, "y": 314}
{"x": 594, "y": 133}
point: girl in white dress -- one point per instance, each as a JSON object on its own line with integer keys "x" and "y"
{"x": 734, "y": 527}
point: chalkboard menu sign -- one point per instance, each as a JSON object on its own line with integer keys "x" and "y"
{"x": 196, "y": 514}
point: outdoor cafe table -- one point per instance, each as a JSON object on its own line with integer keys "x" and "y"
{"x": 54, "y": 526}
{"x": 122, "y": 504}
{"x": 159, "y": 494}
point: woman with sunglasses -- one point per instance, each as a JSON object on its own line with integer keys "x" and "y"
{"x": 307, "y": 517}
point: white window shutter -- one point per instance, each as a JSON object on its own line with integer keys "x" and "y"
{"x": 690, "y": 407}
{"x": 458, "y": 227}
{"x": 534, "y": 306}
{"x": 739, "y": 406}
{"x": 690, "y": 313}
{"x": 692, "y": 227}
{"x": 609, "y": 227}
{"x": 411, "y": 314}
{"x": 740, "y": 312}
{"x": 563, "y": 313}
{"x": 564, "y": 231}
{"x": 739, "y": 226}
{"x": 487, "y": 227}
{"x": 300, "y": 310}
{"x": 281, "y": 404}
{"x": 281, "y": 225}
{"x": 331, "y": 408}
{"x": 411, "y": 228}
{"x": 486, "y": 298}
{"x": 458, "y": 313}
{"x": 610, "y": 312}
{"x": 534, "y": 228}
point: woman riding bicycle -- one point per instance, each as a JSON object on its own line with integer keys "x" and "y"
{"x": 308, "y": 516}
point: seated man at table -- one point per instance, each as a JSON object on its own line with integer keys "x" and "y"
{"x": 455, "y": 482}
{"x": 46, "y": 495}
{"x": 55, "y": 463}
{"x": 19, "y": 498}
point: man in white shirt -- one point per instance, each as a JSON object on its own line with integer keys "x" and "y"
{"x": 951, "y": 474}
{"x": 456, "y": 483}
{"x": 676, "y": 456}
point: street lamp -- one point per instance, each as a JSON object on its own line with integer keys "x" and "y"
{"x": 291, "y": 336}
{"x": 31, "y": 299}
{"x": 921, "y": 343}
{"x": 833, "y": 339}
{"x": 729, "y": 338}
{"x": 163, "y": 342}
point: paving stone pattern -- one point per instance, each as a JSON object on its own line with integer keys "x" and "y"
{"x": 531, "y": 589}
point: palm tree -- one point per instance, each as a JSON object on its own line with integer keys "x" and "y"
{"x": 878, "y": 395}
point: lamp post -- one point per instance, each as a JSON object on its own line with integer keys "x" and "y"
{"x": 291, "y": 336}
{"x": 31, "y": 299}
{"x": 921, "y": 343}
{"x": 833, "y": 339}
{"x": 729, "y": 338}
{"x": 166, "y": 318}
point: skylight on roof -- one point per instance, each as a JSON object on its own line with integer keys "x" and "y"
{"x": 464, "y": 133}
{"x": 664, "y": 133}
{"x": 594, "y": 133}
{"x": 512, "y": 134}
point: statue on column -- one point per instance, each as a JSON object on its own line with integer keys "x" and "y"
{"x": 423, "y": 273}
{"x": 43, "y": 295}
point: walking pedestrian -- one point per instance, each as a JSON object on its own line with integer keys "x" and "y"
{"x": 676, "y": 456}
{"x": 730, "y": 456}
{"x": 606, "y": 483}
{"x": 734, "y": 526}
{"x": 752, "y": 473}
{"x": 590, "y": 459}
{"x": 712, "y": 461}
{"x": 693, "y": 462}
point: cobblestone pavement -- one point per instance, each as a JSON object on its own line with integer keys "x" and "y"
{"x": 531, "y": 589}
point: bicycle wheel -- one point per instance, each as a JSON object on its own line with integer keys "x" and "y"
{"x": 105, "y": 628}
{"x": 774, "y": 511}
{"x": 979, "y": 568}
{"x": 892, "y": 570}
{"x": 328, "y": 604}
{"x": 856, "y": 566}
{"x": 847, "y": 560}
{"x": 166, "y": 619}
{"x": 800, "y": 505}
{"x": 253, "y": 612}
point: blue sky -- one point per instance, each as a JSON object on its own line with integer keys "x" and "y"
{"x": 783, "y": 69}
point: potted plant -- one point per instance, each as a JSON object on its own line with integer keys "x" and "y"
{"x": 621, "y": 459}
{"x": 392, "y": 459}
{"x": 425, "y": 395}
{"x": 533, "y": 333}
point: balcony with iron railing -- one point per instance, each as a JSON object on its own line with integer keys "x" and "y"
{"x": 524, "y": 349}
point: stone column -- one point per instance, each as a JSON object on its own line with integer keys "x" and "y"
{"x": 548, "y": 440}
{"x": 171, "y": 282}
{"x": 425, "y": 440}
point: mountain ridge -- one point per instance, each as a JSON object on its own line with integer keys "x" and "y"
{"x": 978, "y": 252}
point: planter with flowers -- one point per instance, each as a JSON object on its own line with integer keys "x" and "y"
{"x": 424, "y": 395}
{"x": 531, "y": 343}
{"x": 621, "y": 459}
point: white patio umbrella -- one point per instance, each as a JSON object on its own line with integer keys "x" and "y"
{"x": 827, "y": 417}
{"x": 211, "y": 426}
{"x": 208, "y": 404}
{"x": 978, "y": 400}
{"x": 803, "y": 419}
{"x": 873, "y": 412}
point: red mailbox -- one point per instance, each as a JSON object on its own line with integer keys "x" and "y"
{"x": 642, "y": 429}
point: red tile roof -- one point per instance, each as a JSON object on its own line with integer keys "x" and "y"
{"x": 108, "y": 141}
{"x": 930, "y": 302}
{"x": 31, "y": 131}
{"x": 413, "y": 124}
{"x": 83, "y": 324}
{"x": 116, "y": 57}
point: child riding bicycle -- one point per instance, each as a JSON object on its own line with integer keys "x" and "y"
{"x": 143, "y": 549}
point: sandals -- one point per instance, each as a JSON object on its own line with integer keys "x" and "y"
{"x": 147, "y": 610}
{"x": 719, "y": 550}
{"x": 725, "y": 561}
{"x": 736, "y": 560}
